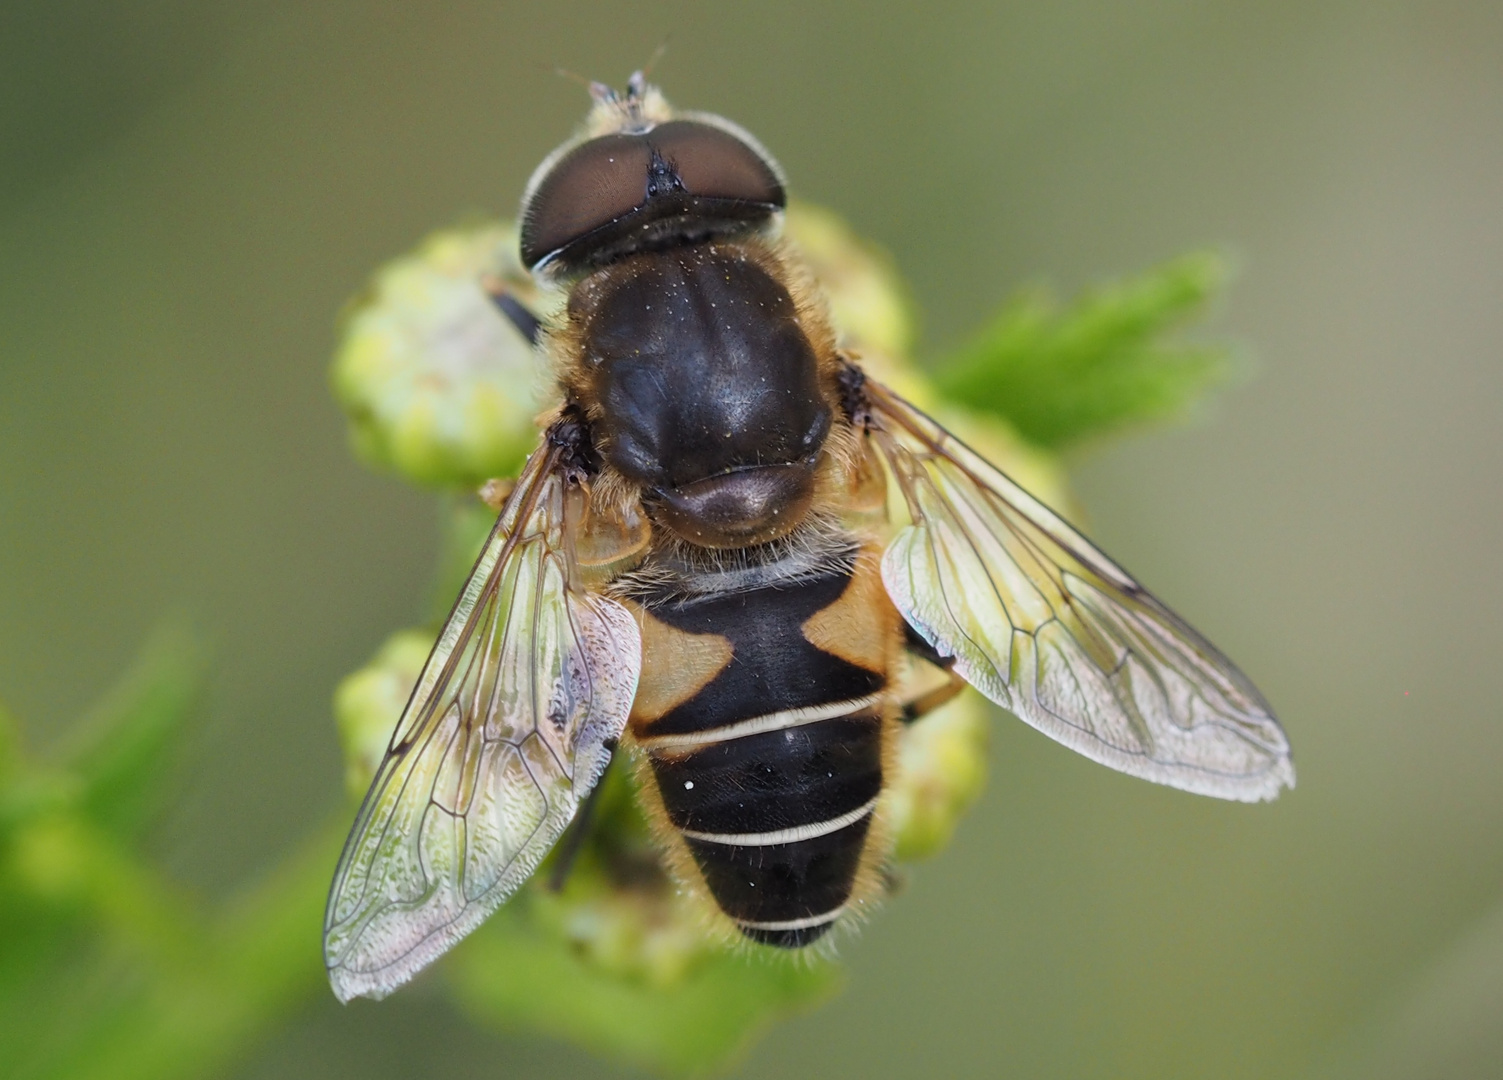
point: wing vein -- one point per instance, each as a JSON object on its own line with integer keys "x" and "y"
{"x": 480, "y": 778}
{"x": 1059, "y": 634}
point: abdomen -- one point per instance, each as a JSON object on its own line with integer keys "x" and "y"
{"x": 764, "y": 715}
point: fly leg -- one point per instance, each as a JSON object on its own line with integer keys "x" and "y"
{"x": 573, "y": 840}
{"x": 927, "y": 699}
{"x": 924, "y": 704}
{"x": 516, "y": 312}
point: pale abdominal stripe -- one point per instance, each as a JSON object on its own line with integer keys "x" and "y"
{"x": 794, "y": 924}
{"x": 785, "y": 836}
{"x": 787, "y": 718}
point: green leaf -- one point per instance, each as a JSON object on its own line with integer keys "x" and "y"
{"x": 1106, "y": 361}
{"x": 511, "y": 977}
{"x": 163, "y": 990}
{"x": 124, "y": 749}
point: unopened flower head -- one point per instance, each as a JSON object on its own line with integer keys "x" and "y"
{"x": 437, "y": 383}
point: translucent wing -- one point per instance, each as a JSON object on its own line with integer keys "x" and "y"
{"x": 508, "y": 728}
{"x": 1048, "y": 627}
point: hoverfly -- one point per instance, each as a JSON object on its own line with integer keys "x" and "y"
{"x": 699, "y": 561}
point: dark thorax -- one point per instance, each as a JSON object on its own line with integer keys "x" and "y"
{"x": 707, "y": 389}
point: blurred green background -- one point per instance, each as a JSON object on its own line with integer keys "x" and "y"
{"x": 190, "y": 192}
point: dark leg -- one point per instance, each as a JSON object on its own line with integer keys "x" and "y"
{"x": 916, "y": 645}
{"x": 527, "y": 324}
{"x": 925, "y": 704}
{"x": 929, "y": 700}
{"x": 573, "y": 839}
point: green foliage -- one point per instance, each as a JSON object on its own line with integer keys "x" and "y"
{"x": 1104, "y": 362}
{"x": 124, "y": 751}
{"x": 108, "y": 970}
{"x": 685, "y": 1026}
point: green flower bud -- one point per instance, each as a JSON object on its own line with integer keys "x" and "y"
{"x": 437, "y": 383}
{"x": 941, "y": 771}
{"x": 652, "y": 936}
{"x": 873, "y": 316}
{"x": 868, "y": 303}
{"x": 369, "y": 702}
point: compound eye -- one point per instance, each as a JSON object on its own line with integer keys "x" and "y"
{"x": 714, "y": 163}
{"x": 617, "y": 193}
